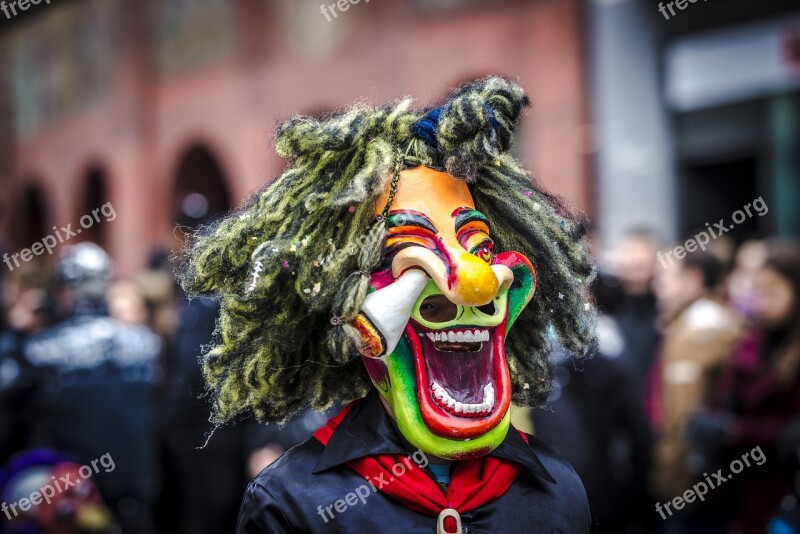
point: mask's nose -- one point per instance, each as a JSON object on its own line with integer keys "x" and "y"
{"x": 475, "y": 282}
{"x": 469, "y": 280}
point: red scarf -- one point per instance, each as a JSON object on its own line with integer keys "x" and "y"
{"x": 473, "y": 483}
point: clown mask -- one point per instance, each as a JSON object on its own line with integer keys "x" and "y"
{"x": 442, "y": 301}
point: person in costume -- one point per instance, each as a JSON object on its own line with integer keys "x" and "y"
{"x": 388, "y": 265}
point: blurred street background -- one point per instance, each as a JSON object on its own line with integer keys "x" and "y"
{"x": 658, "y": 121}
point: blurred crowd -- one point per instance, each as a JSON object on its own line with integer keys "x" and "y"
{"x": 697, "y": 362}
{"x": 93, "y": 365}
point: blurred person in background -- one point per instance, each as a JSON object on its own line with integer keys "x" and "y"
{"x": 29, "y": 310}
{"x": 749, "y": 259}
{"x": 699, "y": 334}
{"x": 157, "y": 287}
{"x": 78, "y": 509}
{"x": 634, "y": 261}
{"x": 594, "y": 421}
{"x": 94, "y": 380}
{"x": 126, "y": 303}
{"x": 203, "y": 478}
{"x": 759, "y": 393}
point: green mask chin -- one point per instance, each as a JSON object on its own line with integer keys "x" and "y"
{"x": 442, "y": 344}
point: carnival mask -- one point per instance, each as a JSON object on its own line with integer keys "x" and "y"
{"x": 442, "y": 301}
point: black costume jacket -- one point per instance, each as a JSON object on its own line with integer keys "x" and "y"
{"x": 292, "y": 494}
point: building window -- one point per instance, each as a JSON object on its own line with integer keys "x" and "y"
{"x": 94, "y": 197}
{"x": 61, "y": 63}
{"x": 32, "y": 220}
{"x": 194, "y": 33}
{"x": 201, "y": 190}
{"x": 314, "y": 29}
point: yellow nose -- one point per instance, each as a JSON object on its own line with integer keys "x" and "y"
{"x": 475, "y": 282}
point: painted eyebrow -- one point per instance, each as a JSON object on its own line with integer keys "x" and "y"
{"x": 410, "y": 218}
{"x": 465, "y": 216}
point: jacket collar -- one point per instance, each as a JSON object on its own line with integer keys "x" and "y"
{"x": 368, "y": 430}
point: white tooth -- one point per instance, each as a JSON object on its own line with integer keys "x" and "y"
{"x": 431, "y": 336}
{"x": 460, "y": 336}
{"x": 469, "y": 337}
{"x": 485, "y": 335}
{"x": 459, "y": 407}
{"x": 451, "y": 337}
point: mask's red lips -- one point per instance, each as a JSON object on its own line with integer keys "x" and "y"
{"x": 463, "y": 386}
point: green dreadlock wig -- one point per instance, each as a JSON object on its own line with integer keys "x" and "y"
{"x": 292, "y": 266}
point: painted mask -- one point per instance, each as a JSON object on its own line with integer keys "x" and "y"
{"x": 442, "y": 301}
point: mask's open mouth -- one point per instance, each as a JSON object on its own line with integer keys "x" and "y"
{"x": 459, "y": 366}
{"x": 463, "y": 387}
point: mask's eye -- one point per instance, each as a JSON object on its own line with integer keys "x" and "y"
{"x": 438, "y": 309}
{"x": 488, "y": 309}
{"x": 484, "y": 252}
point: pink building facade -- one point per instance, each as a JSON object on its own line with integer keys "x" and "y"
{"x": 132, "y": 102}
